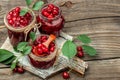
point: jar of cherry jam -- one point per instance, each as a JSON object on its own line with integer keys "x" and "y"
{"x": 41, "y": 56}
{"x": 19, "y": 26}
{"x": 51, "y": 19}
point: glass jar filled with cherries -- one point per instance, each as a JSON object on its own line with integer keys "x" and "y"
{"x": 19, "y": 26}
{"x": 51, "y": 19}
{"x": 43, "y": 56}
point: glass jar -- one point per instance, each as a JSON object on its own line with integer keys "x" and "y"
{"x": 51, "y": 25}
{"x": 19, "y": 34}
{"x": 43, "y": 60}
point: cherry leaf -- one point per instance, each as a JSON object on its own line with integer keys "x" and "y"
{"x": 21, "y": 46}
{"x": 38, "y": 5}
{"x": 27, "y": 50}
{"x": 84, "y": 39}
{"x": 69, "y": 49}
{"x": 23, "y": 11}
{"x": 5, "y": 54}
{"x": 13, "y": 65}
{"x": 89, "y": 50}
{"x": 32, "y": 36}
{"x": 28, "y": 2}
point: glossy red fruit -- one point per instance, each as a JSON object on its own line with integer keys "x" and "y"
{"x": 15, "y": 70}
{"x": 65, "y": 75}
{"x": 39, "y": 51}
{"x": 55, "y": 12}
{"x": 20, "y": 70}
{"x": 11, "y": 12}
{"x": 50, "y": 16}
{"x": 80, "y": 54}
{"x": 44, "y": 49}
{"x": 14, "y": 18}
{"x": 52, "y": 49}
{"x": 40, "y": 45}
{"x": 52, "y": 44}
{"x": 15, "y": 14}
{"x": 51, "y": 6}
{"x": 11, "y": 22}
{"x": 17, "y": 9}
{"x": 9, "y": 16}
{"x": 46, "y": 14}
{"x": 79, "y": 48}
{"x": 49, "y": 9}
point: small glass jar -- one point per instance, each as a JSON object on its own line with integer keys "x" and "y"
{"x": 45, "y": 60}
{"x": 19, "y": 34}
{"x": 51, "y": 25}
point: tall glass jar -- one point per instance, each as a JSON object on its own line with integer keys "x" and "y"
{"x": 19, "y": 34}
{"x": 51, "y": 25}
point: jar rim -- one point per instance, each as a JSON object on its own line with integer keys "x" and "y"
{"x": 19, "y": 29}
{"x": 41, "y": 15}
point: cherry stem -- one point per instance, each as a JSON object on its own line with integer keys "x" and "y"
{"x": 49, "y": 40}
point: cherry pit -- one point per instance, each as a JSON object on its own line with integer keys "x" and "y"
{"x": 15, "y": 20}
{"x": 41, "y": 50}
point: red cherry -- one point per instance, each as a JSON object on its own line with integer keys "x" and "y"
{"x": 52, "y": 44}
{"x": 20, "y": 70}
{"x": 11, "y": 22}
{"x": 9, "y": 16}
{"x": 52, "y": 49}
{"x": 18, "y": 18}
{"x": 15, "y": 14}
{"x": 46, "y": 14}
{"x": 14, "y": 18}
{"x": 55, "y": 12}
{"x": 17, "y": 24}
{"x": 50, "y": 16}
{"x": 40, "y": 45}
{"x": 79, "y": 48}
{"x": 10, "y": 13}
{"x": 56, "y": 8}
{"x": 80, "y": 54}
{"x": 44, "y": 48}
{"x": 39, "y": 51}
{"x": 51, "y": 6}
{"x": 17, "y": 9}
{"x": 49, "y": 9}
{"x": 65, "y": 75}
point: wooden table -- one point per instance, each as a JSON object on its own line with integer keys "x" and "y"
{"x": 99, "y": 19}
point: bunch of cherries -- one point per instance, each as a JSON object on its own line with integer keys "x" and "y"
{"x": 50, "y": 11}
{"x": 15, "y": 20}
{"x": 41, "y": 50}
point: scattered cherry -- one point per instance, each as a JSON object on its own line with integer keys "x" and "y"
{"x": 19, "y": 70}
{"x": 65, "y": 75}
{"x": 15, "y": 20}
{"x": 80, "y": 52}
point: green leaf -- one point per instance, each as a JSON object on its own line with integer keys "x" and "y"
{"x": 84, "y": 39}
{"x": 9, "y": 61}
{"x": 13, "y": 65}
{"x": 23, "y": 11}
{"x": 21, "y": 46}
{"x": 89, "y": 50}
{"x": 28, "y": 2}
{"x": 5, "y": 54}
{"x": 15, "y": 49}
{"x": 69, "y": 49}
{"x": 27, "y": 50}
{"x": 32, "y": 36}
{"x": 38, "y": 5}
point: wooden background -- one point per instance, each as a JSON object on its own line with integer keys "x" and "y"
{"x": 99, "y": 19}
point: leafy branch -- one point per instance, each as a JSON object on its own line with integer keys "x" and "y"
{"x": 69, "y": 47}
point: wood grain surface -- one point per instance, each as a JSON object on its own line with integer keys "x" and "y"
{"x": 99, "y": 19}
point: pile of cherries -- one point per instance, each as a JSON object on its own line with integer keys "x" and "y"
{"x": 80, "y": 52}
{"x": 50, "y": 11}
{"x": 18, "y": 70}
{"x": 41, "y": 50}
{"x": 15, "y": 20}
